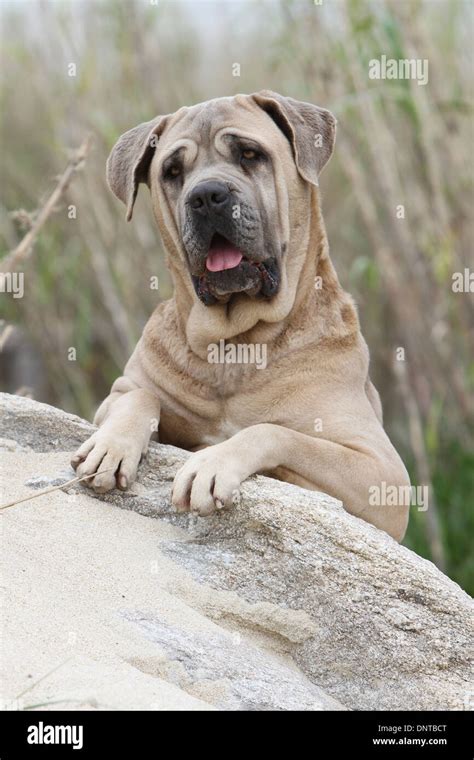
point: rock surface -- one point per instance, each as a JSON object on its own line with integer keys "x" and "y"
{"x": 285, "y": 602}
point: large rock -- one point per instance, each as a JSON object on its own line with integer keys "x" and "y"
{"x": 285, "y": 602}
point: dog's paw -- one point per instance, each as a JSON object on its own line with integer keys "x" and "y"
{"x": 209, "y": 480}
{"x": 110, "y": 460}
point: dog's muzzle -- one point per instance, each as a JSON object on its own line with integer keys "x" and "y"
{"x": 223, "y": 239}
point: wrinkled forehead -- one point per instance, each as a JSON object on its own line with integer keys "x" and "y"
{"x": 202, "y": 123}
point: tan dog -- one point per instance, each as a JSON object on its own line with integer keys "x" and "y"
{"x": 234, "y": 190}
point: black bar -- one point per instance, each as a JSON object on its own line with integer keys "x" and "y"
{"x": 373, "y": 734}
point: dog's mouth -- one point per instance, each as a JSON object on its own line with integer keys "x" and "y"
{"x": 222, "y": 255}
{"x": 229, "y": 270}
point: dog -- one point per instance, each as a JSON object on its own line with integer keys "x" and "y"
{"x": 234, "y": 186}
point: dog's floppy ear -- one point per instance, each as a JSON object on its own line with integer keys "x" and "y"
{"x": 311, "y": 130}
{"x": 130, "y": 159}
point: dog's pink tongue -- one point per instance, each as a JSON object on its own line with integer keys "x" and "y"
{"x": 223, "y": 255}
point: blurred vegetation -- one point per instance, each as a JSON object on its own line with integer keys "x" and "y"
{"x": 87, "y": 282}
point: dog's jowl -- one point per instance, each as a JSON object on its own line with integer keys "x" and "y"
{"x": 234, "y": 184}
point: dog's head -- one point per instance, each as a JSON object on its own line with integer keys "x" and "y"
{"x": 225, "y": 177}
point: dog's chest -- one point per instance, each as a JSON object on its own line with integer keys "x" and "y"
{"x": 225, "y": 429}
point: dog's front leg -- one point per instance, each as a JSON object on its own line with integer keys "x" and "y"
{"x": 210, "y": 477}
{"x": 127, "y": 421}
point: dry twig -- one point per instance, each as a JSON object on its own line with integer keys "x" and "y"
{"x": 25, "y": 247}
{"x": 51, "y": 489}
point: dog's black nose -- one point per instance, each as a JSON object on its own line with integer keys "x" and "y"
{"x": 209, "y": 196}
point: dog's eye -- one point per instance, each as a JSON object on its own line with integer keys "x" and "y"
{"x": 172, "y": 172}
{"x": 249, "y": 155}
